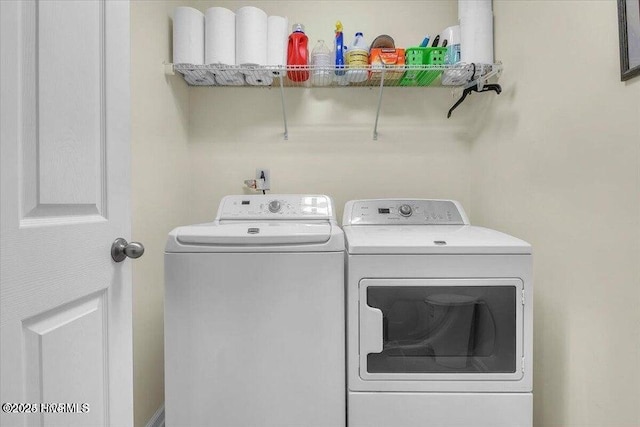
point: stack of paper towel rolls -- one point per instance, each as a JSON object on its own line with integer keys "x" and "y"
{"x": 220, "y": 44}
{"x": 248, "y": 38}
{"x": 476, "y": 31}
{"x": 220, "y": 33}
{"x": 188, "y": 36}
{"x": 277, "y": 41}
{"x": 251, "y": 36}
{"x": 251, "y": 42}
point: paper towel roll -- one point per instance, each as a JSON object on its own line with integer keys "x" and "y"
{"x": 471, "y": 7}
{"x": 251, "y": 36}
{"x": 277, "y": 41}
{"x": 229, "y": 79}
{"x": 220, "y": 36}
{"x": 259, "y": 79}
{"x": 188, "y": 36}
{"x": 476, "y": 44}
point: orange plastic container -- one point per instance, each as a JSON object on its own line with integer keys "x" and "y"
{"x": 393, "y": 60}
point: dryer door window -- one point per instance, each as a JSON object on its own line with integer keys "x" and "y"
{"x": 441, "y": 328}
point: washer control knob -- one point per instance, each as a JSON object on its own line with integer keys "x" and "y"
{"x": 405, "y": 210}
{"x": 274, "y": 206}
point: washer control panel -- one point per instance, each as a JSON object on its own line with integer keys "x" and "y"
{"x": 276, "y": 206}
{"x": 417, "y": 212}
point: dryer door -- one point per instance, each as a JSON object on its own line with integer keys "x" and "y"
{"x": 441, "y": 329}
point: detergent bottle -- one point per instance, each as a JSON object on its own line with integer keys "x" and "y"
{"x": 298, "y": 54}
{"x": 357, "y": 60}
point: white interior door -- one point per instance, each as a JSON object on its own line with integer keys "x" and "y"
{"x": 65, "y": 331}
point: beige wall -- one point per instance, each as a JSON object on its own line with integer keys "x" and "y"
{"x": 557, "y": 163}
{"x": 160, "y": 184}
{"x": 330, "y": 148}
{"x": 555, "y": 160}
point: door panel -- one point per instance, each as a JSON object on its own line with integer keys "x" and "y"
{"x": 441, "y": 329}
{"x": 75, "y": 333}
{"x": 70, "y": 135}
{"x": 65, "y": 315}
{"x": 433, "y": 329}
{"x": 63, "y": 111}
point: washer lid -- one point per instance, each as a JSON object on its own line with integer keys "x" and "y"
{"x": 254, "y": 233}
{"x": 430, "y": 239}
{"x": 250, "y": 236}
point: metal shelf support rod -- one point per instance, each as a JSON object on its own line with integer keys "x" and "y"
{"x": 375, "y": 126}
{"x": 284, "y": 109}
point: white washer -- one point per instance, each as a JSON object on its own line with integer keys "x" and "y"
{"x": 439, "y": 318}
{"x": 254, "y": 316}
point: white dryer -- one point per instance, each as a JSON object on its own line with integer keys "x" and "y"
{"x": 254, "y": 316}
{"x": 439, "y": 318}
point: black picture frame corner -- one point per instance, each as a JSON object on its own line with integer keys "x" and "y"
{"x": 626, "y": 71}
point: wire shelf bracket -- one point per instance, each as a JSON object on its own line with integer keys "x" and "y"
{"x": 375, "y": 125}
{"x": 284, "y": 110}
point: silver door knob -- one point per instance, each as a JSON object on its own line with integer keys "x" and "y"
{"x": 121, "y": 250}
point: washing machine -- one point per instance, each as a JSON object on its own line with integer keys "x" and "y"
{"x": 254, "y": 316}
{"x": 439, "y": 318}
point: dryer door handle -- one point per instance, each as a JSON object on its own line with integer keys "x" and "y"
{"x": 370, "y": 330}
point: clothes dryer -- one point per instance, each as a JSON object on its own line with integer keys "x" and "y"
{"x": 254, "y": 316}
{"x": 439, "y": 318}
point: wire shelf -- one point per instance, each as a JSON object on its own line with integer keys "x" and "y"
{"x": 459, "y": 75}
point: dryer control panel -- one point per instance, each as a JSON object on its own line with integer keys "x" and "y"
{"x": 404, "y": 211}
{"x": 275, "y": 206}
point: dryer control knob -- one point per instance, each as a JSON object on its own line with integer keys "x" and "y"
{"x": 274, "y": 206}
{"x": 405, "y": 210}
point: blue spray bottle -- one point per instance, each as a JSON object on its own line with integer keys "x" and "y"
{"x": 339, "y": 50}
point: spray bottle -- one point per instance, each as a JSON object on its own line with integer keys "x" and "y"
{"x": 339, "y": 49}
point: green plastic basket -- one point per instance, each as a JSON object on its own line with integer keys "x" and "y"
{"x": 422, "y": 56}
